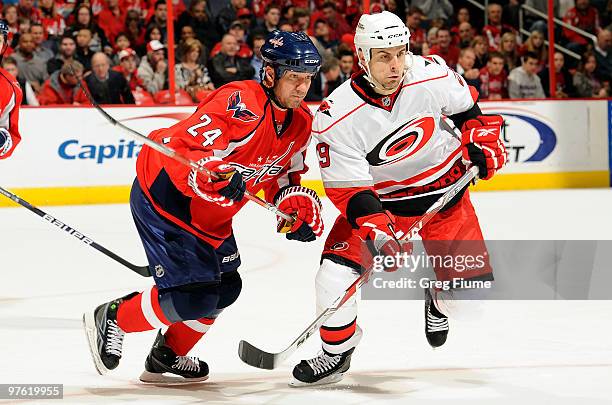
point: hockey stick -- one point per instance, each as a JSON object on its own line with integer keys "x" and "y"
{"x": 255, "y": 357}
{"x": 171, "y": 153}
{"x": 142, "y": 270}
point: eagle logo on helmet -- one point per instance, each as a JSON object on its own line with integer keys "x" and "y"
{"x": 241, "y": 112}
{"x": 276, "y": 42}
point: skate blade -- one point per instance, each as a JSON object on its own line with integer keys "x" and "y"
{"x": 91, "y": 332}
{"x": 162, "y": 379}
{"x": 331, "y": 379}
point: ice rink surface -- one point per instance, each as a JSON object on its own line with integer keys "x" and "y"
{"x": 520, "y": 352}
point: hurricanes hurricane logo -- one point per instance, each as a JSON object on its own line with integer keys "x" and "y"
{"x": 402, "y": 143}
{"x": 241, "y": 112}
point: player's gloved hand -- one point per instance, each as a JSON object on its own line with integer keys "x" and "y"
{"x": 304, "y": 204}
{"x": 482, "y": 145}
{"x": 6, "y": 142}
{"x": 227, "y": 188}
{"x": 378, "y": 231}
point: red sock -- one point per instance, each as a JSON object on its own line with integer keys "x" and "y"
{"x": 142, "y": 312}
{"x": 181, "y": 337}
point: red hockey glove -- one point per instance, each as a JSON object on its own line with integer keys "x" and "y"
{"x": 223, "y": 190}
{"x": 304, "y": 203}
{"x": 482, "y": 145}
{"x": 378, "y": 231}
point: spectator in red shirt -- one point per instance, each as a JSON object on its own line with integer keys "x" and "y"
{"x": 245, "y": 16}
{"x": 493, "y": 78}
{"x": 337, "y": 24}
{"x": 585, "y": 17}
{"x": 12, "y": 19}
{"x": 134, "y": 31}
{"x": 418, "y": 36}
{"x": 237, "y": 30}
{"x": 128, "y": 67}
{"x": 465, "y": 35}
{"x": 139, "y": 6}
{"x": 111, "y": 19}
{"x": 26, "y": 10}
{"x": 52, "y": 22}
{"x": 463, "y": 16}
{"x": 62, "y": 86}
{"x": 494, "y": 30}
{"x": 444, "y": 48}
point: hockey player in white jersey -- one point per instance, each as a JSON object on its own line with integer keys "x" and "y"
{"x": 386, "y": 156}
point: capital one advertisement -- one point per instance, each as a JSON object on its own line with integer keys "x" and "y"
{"x": 78, "y": 147}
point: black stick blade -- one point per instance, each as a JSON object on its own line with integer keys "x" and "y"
{"x": 254, "y": 356}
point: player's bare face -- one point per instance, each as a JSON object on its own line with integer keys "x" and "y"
{"x": 291, "y": 89}
{"x": 387, "y": 68}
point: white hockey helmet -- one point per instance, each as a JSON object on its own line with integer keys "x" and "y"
{"x": 382, "y": 30}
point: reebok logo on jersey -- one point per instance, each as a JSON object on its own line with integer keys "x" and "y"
{"x": 241, "y": 112}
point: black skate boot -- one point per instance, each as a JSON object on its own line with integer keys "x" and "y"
{"x": 326, "y": 368}
{"x": 104, "y": 336}
{"x": 162, "y": 359}
{"x": 436, "y": 323}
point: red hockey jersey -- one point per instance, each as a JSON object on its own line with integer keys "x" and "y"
{"x": 10, "y": 100}
{"x": 237, "y": 124}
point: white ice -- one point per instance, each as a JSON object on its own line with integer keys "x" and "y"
{"x": 556, "y": 352}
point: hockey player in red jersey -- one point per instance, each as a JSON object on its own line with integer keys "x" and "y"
{"x": 10, "y": 100}
{"x": 254, "y": 137}
{"x": 386, "y": 155}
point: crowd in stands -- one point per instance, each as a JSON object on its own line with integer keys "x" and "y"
{"x": 118, "y": 48}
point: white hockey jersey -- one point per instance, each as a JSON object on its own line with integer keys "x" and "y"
{"x": 400, "y": 145}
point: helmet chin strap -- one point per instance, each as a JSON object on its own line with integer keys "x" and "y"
{"x": 270, "y": 90}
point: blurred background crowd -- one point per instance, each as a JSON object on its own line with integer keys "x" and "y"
{"x": 119, "y": 48}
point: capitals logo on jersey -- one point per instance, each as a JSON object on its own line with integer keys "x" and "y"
{"x": 402, "y": 143}
{"x": 241, "y": 112}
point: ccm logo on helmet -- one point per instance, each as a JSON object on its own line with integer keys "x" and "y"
{"x": 311, "y": 61}
{"x": 394, "y": 36}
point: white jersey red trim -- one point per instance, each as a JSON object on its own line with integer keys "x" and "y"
{"x": 402, "y": 146}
